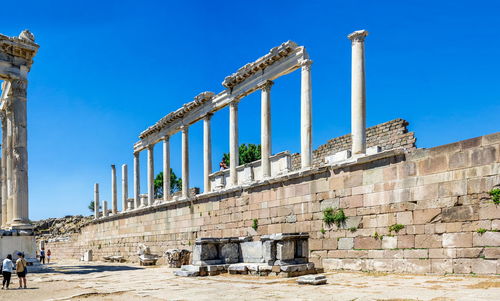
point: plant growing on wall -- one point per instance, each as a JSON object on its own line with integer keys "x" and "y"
{"x": 255, "y": 224}
{"x": 334, "y": 216}
{"x": 396, "y": 228}
{"x": 495, "y": 195}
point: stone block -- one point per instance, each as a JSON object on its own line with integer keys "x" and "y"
{"x": 331, "y": 264}
{"x": 406, "y": 241}
{"x": 428, "y": 241}
{"x": 462, "y": 266}
{"x": 205, "y": 251}
{"x": 338, "y": 157}
{"x": 459, "y": 160}
{"x": 491, "y": 253}
{"x": 483, "y": 156}
{"x": 353, "y": 222}
{"x": 457, "y": 240}
{"x": 404, "y": 218}
{"x": 372, "y": 150}
{"x": 469, "y": 252}
{"x": 415, "y": 266}
{"x": 489, "y": 211}
{"x": 484, "y": 266}
{"x": 441, "y": 266}
{"x": 312, "y": 279}
{"x": 269, "y": 251}
{"x": 487, "y": 239}
{"x": 425, "y": 216}
{"x": 367, "y": 243}
{"x": 416, "y": 253}
{"x": 230, "y": 253}
{"x": 442, "y": 253}
{"x": 345, "y": 243}
{"x": 459, "y": 213}
{"x": 389, "y": 242}
{"x": 285, "y": 250}
{"x": 302, "y": 248}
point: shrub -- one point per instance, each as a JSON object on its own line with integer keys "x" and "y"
{"x": 495, "y": 195}
{"x": 334, "y": 216}
{"x": 396, "y": 228}
{"x": 255, "y": 224}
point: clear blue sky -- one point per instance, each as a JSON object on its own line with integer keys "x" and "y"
{"x": 106, "y": 70}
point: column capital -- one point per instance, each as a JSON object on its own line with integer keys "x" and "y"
{"x": 18, "y": 88}
{"x": 358, "y": 36}
{"x": 208, "y": 116}
{"x": 266, "y": 85}
{"x": 166, "y": 138}
{"x": 184, "y": 128}
{"x": 306, "y": 63}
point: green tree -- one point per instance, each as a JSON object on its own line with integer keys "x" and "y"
{"x": 175, "y": 184}
{"x": 91, "y": 206}
{"x": 247, "y": 153}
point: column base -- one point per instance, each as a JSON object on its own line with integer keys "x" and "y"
{"x": 21, "y": 225}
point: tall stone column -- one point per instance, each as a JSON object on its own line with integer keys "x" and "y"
{"x": 306, "y": 114}
{"x": 207, "y": 152}
{"x": 96, "y": 200}
{"x": 137, "y": 181}
{"x": 114, "y": 198}
{"x": 151, "y": 175}
{"x": 8, "y": 168}
{"x": 265, "y": 128}
{"x": 104, "y": 208}
{"x": 185, "y": 162}
{"x": 20, "y": 219}
{"x": 166, "y": 168}
{"x": 358, "y": 92}
{"x": 233, "y": 143}
{"x": 124, "y": 187}
{"x": 4, "y": 171}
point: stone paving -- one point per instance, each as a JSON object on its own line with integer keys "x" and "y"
{"x": 106, "y": 281}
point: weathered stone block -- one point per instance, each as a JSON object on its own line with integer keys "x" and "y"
{"x": 302, "y": 248}
{"x": 346, "y": 243}
{"x": 491, "y": 253}
{"x": 404, "y": 218}
{"x": 389, "y": 242}
{"x": 285, "y": 250}
{"x": 230, "y": 252}
{"x": 487, "y": 239}
{"x": 458, "y": 160}
{"x": 484, "y": 266}
{"x": 442, "y": 253}
{"x": 416, "y": 253}
{"x": 441, "y": 266}
{"x": 462, "y": 266}
{"x": 483, "y": 156}
{"x": 269, "y": 251}
{"x": 428, "y": 241}
{"x": 425, "y": 216}
{"x": 459, "y": 213}
{"x": 205, "y": 252}
{"x": 406, "y": 241}
{"x": 367, "y": 243}
{"x": 251, "y": 251}
{"x": 457, "y": 240}
{"x": 312, "y": 279}
{"x": 469, "y": 252}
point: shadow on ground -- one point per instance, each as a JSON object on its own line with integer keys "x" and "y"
{"x": 85, "y": 269}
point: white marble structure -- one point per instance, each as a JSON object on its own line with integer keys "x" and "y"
{"x": 16, "y": 58}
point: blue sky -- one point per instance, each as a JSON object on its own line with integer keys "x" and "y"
{"x": 106, "y": 70}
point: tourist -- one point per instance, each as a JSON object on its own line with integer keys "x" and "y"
{"x": 42, "y": 255}
{"x": 222, "y": 164}
{"x": 7, "y": 267}
{"x": 48, "y": 256}
{"x": 21, "y": 269}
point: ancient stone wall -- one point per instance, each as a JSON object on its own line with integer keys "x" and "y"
{"x": 388, "y": 135}
{"x": 438, "y": 198}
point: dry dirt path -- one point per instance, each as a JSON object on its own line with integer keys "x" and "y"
{"x": 103, "y": 281}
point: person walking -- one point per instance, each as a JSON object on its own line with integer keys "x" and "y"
{"x": 7, "y": 267}
{"x": 48, "y": 256}
{"x": 42, "y": 255}
{"x": 21, "y": 269}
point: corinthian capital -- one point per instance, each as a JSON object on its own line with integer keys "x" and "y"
{"x": 18, "y": 88}
{"x": 266, "y": 85}
{"x": 306, "y": 64}
{"x": 358, "y": 36}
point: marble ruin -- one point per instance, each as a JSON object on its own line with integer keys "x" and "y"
{"x": 256, "y": 76}
{"x": 16, "y": 58}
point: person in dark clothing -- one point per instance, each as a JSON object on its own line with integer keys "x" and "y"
{"x": 42, "y": 255}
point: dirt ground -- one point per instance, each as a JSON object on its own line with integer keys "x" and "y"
{"x": 104, "y": 281}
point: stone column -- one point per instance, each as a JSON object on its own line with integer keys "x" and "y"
{"x": 137, "y": 181}
{"x": 20, "y": 219}
{"x": 96, "y": 200}
{"x": 124, "y": 187}
{"x": 104, "y": 208}
{"x": 207, "y": 152}
{"x": 306, "y": 114}
{"x": 4, "y": 171}
{"x": 166, "y": 168}
{"x": 114, "y": 198}
{"x": 358, "y": 92}
{"x": 185, "y": 162}
{"x": 265, "y": 128}
{"x": 151, "y": 175}
{"x": 233, "y": 143}
{"x": 8, "y": 168}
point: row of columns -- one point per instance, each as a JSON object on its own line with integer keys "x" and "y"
{"x": 14, "y": 162}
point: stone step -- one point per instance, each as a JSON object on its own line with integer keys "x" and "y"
{"x": 312, "y": 279}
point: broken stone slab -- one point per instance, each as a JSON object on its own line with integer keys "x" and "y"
{"x": 312, "y": 279}
{"x": 186, "y": 273}
{"x": 176, "y": 257}
{"x": 237, "y": 268}
{"x": 294, "y": 268}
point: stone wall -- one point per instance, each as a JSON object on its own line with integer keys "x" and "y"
{"x": 438, "y": 196}
{"x": 388, "y": 135}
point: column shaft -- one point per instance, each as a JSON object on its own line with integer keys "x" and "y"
{"x": 114, "y": 198}
{"x": 166, "y": 168}
{"x": 151, "y": 175}
{"x": 105, "y": 208}
{"x": 265, "y": 129}
{"x": 185, "y": 162}
{"x": 358, "y": 92}
{"x": 4, "y": 171}
{"x": 306, "y": 115}
{"x": 233, "y": 143}
{"x": 137, "y": 181}
{"x": 8, "y": 169}
{"x": 96, "y": 200}
{"x": 207, "y": 152}
{"x": 124, "y": 187}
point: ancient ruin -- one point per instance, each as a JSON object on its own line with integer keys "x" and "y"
{"x": 16, "y": 58}
{"x": 369, "y": 200}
